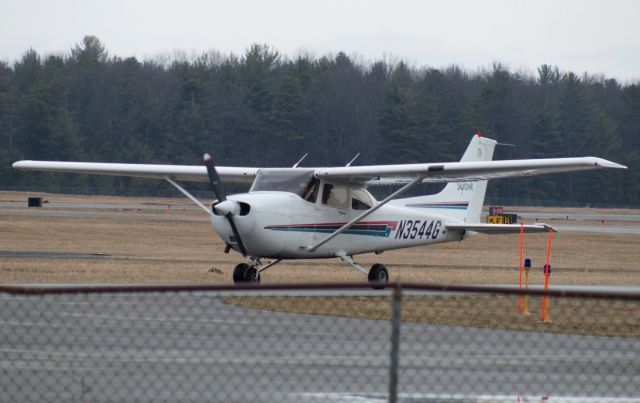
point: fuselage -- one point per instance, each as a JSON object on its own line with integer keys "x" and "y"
{"x": 280, "y": 224}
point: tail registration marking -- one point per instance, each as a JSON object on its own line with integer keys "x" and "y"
{"x": 418, "y": 229}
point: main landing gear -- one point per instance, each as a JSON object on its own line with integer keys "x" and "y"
{"x": 250, "y": 272}
{"x": 378, "y": 275}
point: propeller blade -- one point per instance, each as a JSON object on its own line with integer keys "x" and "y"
{"x": 216, "y": 186}
{"x": 214, "y": 179}
{"x": 243, "y": 249}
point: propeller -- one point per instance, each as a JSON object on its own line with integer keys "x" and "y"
{"x": 224, "y": 206}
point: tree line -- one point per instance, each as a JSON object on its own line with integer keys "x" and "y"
{"x": 263, "y": 109}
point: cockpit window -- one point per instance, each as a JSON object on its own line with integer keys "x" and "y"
{"x": 299, "y": 182}
{"x": 310, "y": 191}
{"x": 360, "y": 200}
{"x": 335, "y": 195}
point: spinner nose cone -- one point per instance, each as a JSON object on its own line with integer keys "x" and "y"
{"x": 227, "y": 207}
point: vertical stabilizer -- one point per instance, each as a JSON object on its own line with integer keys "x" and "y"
{"x": 460, "y": 200}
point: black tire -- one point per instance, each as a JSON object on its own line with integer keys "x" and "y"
{"x": 378, "y": 276}
{"x": 240, "y": 273}
{"x": 251, "y": 275}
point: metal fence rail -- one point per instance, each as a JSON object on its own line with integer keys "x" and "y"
{"x": 315, "y": 343}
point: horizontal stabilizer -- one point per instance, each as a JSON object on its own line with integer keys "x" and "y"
{"x": 496, "y": 229}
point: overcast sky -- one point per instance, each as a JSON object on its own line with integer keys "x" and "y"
{"x": 597, "y": 36}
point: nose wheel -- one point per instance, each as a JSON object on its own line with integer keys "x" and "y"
{"x": 245, "y": 273}
{"x": 250, "y": 272}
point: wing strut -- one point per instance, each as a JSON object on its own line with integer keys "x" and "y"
{"x": 189, "y": 195}
{"x": 365, "y": 214}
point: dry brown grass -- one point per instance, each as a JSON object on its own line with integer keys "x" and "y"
{"x": 153, "y": 247}
{"x": 21, "y": 197}
{"x": 575, "y": 316}
{"x": 162, "y": 250}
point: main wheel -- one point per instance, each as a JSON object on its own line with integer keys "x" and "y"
{"x": 240, "y": 273}
{"x": 378, "y": 276}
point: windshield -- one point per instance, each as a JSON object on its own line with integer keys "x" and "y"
{"x": 298, "y": 181}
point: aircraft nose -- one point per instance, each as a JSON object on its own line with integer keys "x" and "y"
{"x": 235, "y": 208}
{"x": 226, "y": 207}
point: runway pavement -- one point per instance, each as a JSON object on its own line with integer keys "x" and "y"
{"x": 546, "y": 214}
{"x": 552, "y": 215}
{"x": 195, "y": 347}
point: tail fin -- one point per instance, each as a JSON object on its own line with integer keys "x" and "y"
{"x": 461, "y": 200}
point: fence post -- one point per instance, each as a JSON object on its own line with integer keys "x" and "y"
{"x": 395, "y": 343}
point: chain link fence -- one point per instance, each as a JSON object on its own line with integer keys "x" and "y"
{"x": 316, "y": 343}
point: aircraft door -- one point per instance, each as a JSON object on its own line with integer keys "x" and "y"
{"x": 333, "y": 207}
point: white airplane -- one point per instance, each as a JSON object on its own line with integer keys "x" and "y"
{"x": 304, "y": 213}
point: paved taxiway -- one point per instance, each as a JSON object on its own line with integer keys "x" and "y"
{"x": 546, "y": 214}
{"x": 194, "y": 347}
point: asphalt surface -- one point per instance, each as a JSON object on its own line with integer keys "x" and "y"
{"x": 540, "y": 215}
{"x": 194, "y": 347}
{"x": 550, "y": 215}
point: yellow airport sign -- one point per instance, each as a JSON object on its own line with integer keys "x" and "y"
{"x": 502, "y": 219}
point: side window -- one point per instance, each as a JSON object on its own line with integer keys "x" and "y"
{"x": 360, "y": 200}
{"x": 335, "y": 195}
{"x": 310, "y": 191}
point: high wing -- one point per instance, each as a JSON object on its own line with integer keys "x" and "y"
{"x": 460, "y": 171}
{"x": 364, "y": 175}
{"x": 191, "y": 173}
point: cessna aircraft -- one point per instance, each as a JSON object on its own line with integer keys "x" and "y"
{"x": 303, "y": 213}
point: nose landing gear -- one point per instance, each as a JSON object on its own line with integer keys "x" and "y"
{"x": 244, "y": 273}
{"x": 250, "y": 272}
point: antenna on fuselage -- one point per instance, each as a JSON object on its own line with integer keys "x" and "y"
{"x": 353, "y": 159}
{"x": 299, "y": 161}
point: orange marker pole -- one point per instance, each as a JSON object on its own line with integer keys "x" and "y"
{"x": 547, "y": 273}
{"x": 527, "y": 267}
{"x": 521, "y": 263}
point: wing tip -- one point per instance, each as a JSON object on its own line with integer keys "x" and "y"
{"x": 19, "y": 164}
{"x": 602, "y": 163}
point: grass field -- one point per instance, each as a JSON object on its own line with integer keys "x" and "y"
{"x": 152, "y": 246}
{"x": 612, "y": 318}
{"x": 174, "y": 243}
